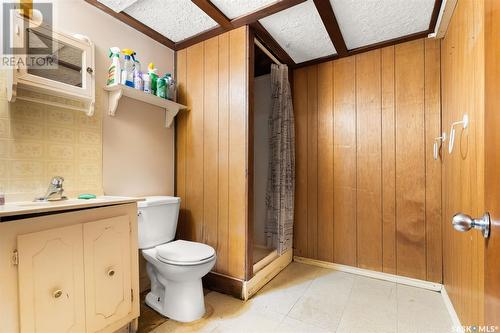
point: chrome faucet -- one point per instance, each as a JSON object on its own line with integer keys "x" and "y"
{"x": 55, "y": 190}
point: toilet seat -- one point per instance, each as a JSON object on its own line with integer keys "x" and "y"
{"x": 183, "y": 252}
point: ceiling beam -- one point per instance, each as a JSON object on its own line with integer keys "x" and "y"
{"x": 327, "y": 15}
{"x": 264, "y": 12}
{"x": 263, "y": 35}
{"x": 132, "y": 22}
{"x": 435, "y": 14}
{"x": 211, "y": 10}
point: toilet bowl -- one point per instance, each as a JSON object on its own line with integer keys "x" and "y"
{"x": 175, "y": 268}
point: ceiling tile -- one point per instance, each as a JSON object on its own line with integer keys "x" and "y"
{"x": 117, "y": 5}
{"x": 175, "y": 19}
{"x": 300, "y": 32}
{"x": 371, "y": 21}
{"x": 236, "y": 8}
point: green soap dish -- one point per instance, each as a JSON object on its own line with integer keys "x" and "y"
{"x": 87, "y": 196}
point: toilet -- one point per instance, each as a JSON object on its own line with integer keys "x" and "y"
{"x": 175, "y": 268}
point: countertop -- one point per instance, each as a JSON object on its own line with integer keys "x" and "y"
{"x": 32, "y": 207}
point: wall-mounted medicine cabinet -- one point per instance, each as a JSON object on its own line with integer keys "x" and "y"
{"x": 51, "y": 67}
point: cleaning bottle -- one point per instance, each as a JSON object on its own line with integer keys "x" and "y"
{"x": 171, "y": 91}
{"x": 147, "y": 83}
{"x": 153, "y": 76}
{"x": 128, "y": 68}
{"x": 161, "y": 87}
{"x": 115, "y": 69}
{"x": 138, "y": 81}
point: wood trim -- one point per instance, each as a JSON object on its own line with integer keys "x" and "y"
{"x": 250, "y": 154}
{"x": 327, "y": 15}
{"x": 264, "y": 12}
{"x": 272, "y": 45}
{"x": 259, "y": 265}
{"x": 444, "y": 18}
{"x": 211, "y": 10}
{"x": 132, "y": 22}
{"x": 435, "y": 15}
{"x": 224, "y": 284}
{"x": 372, "y": 274}
{"x": 251, "y": 287}
{"x": 451, "y": 309}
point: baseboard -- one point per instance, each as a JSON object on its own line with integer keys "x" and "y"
{"x": 223, "y": 284}
{"x": 262, "y": 277}
{"x": 372, "y": 274}
{"x": 451, "y": 309}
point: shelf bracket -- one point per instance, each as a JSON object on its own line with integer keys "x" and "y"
{"x": 114, "y": 98}
{"x": 169, "y": 117}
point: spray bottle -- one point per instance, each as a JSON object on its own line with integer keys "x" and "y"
{"x": 115, "y": 69}
{"x": 128, "y": 68}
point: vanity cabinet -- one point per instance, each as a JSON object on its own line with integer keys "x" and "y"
{"x": 51, "y": 280}
{"x": 71, "y": 272}
{"x": 106, "y": 253}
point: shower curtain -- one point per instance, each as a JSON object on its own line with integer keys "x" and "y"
{"x": 280, "y": 193}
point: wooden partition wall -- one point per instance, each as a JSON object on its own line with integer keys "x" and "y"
{"x": 211, "y": 147}
{"x": 463, "y": 86}
{"x": 368, "y": 191}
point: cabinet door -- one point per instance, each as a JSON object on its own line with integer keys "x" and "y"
{"x": 107, "y": 271}
{"x": 51, "y": 285}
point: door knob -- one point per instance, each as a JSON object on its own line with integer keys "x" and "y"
{"x": 463, "y": 222}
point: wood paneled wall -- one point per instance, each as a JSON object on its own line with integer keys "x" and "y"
{"x": 463, "y": 79}
{"x": 368, "y": 191}
{"x": 211, "y": 147}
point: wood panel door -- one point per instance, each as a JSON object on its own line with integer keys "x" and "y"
{"x": 492, "y": 162}
{"x": 51, "y": 285}
{"x": 107, "y": 271}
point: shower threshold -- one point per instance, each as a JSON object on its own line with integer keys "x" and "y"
{"x": 262, "y": 259}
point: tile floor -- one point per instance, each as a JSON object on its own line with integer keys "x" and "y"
{"x": 308, "y": 299}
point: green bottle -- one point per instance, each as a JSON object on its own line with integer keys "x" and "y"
{"x": 153, "y": 76}
{"x": 161, "y": 87}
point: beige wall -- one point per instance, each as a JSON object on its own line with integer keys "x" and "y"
{"x": 37, "y": 141}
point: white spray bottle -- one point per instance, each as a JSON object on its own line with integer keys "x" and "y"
{"x": 115, "y": 69}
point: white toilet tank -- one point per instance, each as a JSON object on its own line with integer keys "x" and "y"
{"x": 157, "y": 220}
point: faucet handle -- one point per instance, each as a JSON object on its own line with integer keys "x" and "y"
{"x": 57, "y": 181}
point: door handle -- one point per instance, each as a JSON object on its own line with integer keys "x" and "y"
{"x": 463, "y": 222}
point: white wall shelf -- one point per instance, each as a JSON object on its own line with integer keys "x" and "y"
{"x": 117, "y": 91}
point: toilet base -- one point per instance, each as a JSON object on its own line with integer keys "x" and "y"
{"x": 180, "y": 301}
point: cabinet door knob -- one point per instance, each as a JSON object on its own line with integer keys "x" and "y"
{"x": 57, "y": 293}
{"x": 111, "y": 272}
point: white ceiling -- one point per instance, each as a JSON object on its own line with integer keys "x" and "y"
{"x": 175, "y": 19}
{"x": 236, "y": 8}
{"x": 300, "y": 32}
{"x": 117, "y": 5}
{"x": 371, "y": 21}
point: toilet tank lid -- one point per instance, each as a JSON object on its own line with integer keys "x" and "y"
{"x": 157, "y": 200}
